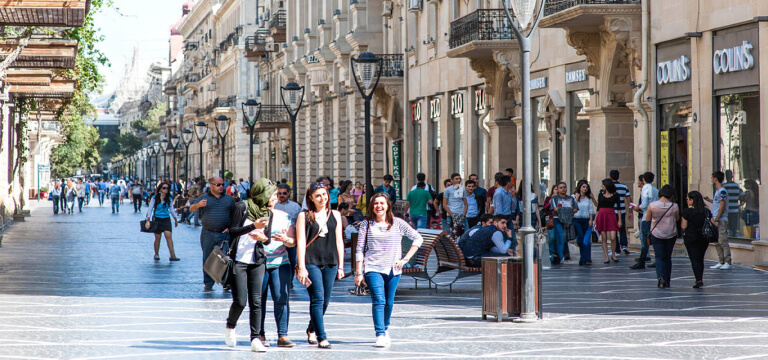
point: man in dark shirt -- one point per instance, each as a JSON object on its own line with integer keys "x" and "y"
{"x": 490, "y": 240}
{"x": 387, "y": 188}
{"x": 215, "y": 209}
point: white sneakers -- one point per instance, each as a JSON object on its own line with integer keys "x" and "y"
{"x": 230, "y": 338}
{"x": 716, "y": 266}
{"x": 726, "y": 266}
{"x": 383, "y": 341}
{"x": 257, "y": 346}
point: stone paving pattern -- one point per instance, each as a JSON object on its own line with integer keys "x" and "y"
{"x": 84, "y": 286}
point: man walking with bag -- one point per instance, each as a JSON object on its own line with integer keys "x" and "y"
{"x": 215, "y": 211}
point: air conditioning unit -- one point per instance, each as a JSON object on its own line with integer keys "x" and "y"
{"x": 414, "y": 5}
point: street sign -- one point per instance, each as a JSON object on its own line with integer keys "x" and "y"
{"x": 396, "y": 168}
{"x": 285, "y": 169}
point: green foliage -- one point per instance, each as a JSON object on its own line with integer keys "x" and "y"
{"x": 124, "y": 144}
{"x": 151, "y": 124}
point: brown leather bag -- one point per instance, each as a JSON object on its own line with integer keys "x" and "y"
{"x": 550, "y": 222}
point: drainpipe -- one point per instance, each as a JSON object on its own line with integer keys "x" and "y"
{"x": 644, "y": 123}
{"x": 483, "y": 122}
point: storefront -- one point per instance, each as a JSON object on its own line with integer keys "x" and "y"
{"x": 736, "y": 123}
{"x": 577, "y": 131}
{"x": 675, "y": 116}
{"x": 457, "y": 122}
{"x": 435, "y": 137}
{"x": 539, "y": 86}
{"x": 416, "y": 123}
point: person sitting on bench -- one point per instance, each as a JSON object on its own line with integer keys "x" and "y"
{"x": 491, "y": 240}
{"x": 485, "y": 220}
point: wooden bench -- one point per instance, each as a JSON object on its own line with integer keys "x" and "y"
{"x": 419, "y": 261}
{"x": 450, "y": 257}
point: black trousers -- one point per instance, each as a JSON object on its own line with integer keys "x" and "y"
{"x": 696, "y": 251}
{"x": 247, "y": 281}
{"x": 136, "y": 202}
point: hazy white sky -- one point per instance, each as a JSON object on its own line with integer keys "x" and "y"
{"x": 140, "y": 23}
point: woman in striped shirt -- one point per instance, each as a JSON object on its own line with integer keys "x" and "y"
{"x": 379, "y": 245}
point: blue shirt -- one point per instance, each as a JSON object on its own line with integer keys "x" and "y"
{"x": 648, "y": 194}
{"x": 502, "y": 202}
{"x": 472, "y": 210}
{"x": 162, "y": 211}
{"x": 389, "y": 190}
{"x": 481, "y": 191}
{"x": 102, "y": 186}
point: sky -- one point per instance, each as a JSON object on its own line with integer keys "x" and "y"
{"x": 139, "y": 23}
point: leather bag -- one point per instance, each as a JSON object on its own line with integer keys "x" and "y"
{"x": 218, "y": 266}
{"x": 152, "y": 226}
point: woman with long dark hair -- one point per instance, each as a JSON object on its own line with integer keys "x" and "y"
{"x": 583, "y": 220}
{"x": 663, "y": 215}
{"x": 608, "y": 221}
{"x": 693, "y": 219}
{"x": 379, "y": 245}
{"x": 346, "y": 196}
{"x": 161, "y": 209}
{"x": 319, "y": 256}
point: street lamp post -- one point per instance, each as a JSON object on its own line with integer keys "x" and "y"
{"x": 251, "y": 112}
{"x": 156, "y": 151}
{"x": 367, "y": 67}
{"x": 527, "y": 14}
{"x": 164, "y": 149}
{"x": 143, "y": 159}
{"x": 293, "y": 105}
{"x": 201, "y": 130}
{"x": 186, "y": 138}
{"x": 174, "y": 143}
{"x": 222, "y": 127}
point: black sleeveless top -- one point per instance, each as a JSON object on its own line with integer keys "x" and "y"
{"x": 323, "y": 250}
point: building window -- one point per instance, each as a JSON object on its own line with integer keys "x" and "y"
{"x": 739, "y": 148}
{"x": 579, "y": 135}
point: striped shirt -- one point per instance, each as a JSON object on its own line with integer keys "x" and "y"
{"x": 623, "y": 192}
{"x": 734, "y": 194}
{"x": 277, "y": 253}
{"x": 384, "y": 246}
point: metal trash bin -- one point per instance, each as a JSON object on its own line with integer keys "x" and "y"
{"x": 502, "y": 284}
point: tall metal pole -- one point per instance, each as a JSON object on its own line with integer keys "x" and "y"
{"x": 186, "y": 161}
{"x": 223, "y": 151}
{"x": 295, "y": 180}
{"x": 201, "y": 159}
{"x": 250, "y": 154}
{"x": 175, "y": 175}
{"x": 368, "y": 183}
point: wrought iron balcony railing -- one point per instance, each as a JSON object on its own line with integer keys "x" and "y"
{"x": 271, "y": 114}
{"x": 224, "y": 102}
{"x": 483, "y": 24}
{"x": 556, "y": 6}
{"x": 278, "y": 20}
{"x": 392, "y": 65}
{"x": 258, "y": 38}
{"x": 192, "y": 78}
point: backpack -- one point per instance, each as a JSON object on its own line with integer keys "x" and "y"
{"x": 709, "y": 230}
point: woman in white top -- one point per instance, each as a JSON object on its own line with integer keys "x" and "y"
{"x": 663, "y": 215}
{"x": 379, "y": 246}
{"x": 584, "y": 219}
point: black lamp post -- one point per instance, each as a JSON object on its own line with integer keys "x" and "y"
{"x": 155, "y": 152}
{"x": 164, "y": 149}
{"x": 222, "y": 127}
{"x": 293, "y": 105}
{"x": 186, "y": 138}
{"x": 201, "y": 130}
{"x": 251, "y": 112}
{"x": 147, "y": 163}
{"x": 367, "y": 67}
{"x": 143, "y": 159}
{"x": 175, "y": 143}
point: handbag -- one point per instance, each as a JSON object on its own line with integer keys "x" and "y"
{"x": 709, "y": 230}
{"x": 648, "y": 237}
{"x": 587, "y": 240}
{"x": 218, "y": 266}
{"x": 152, "y": 226}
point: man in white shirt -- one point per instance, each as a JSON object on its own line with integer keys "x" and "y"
{"x": 648, "y": 194}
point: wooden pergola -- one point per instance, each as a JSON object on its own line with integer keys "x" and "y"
{"x": 42, "y": 53}
{"x": 57, "y": 89}
{"x": 52, "y": 13}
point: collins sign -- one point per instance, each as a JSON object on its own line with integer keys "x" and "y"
{"x": 672, "y": 71}
{"x": 734, "y": 59}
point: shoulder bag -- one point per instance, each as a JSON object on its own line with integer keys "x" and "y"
{"x": 648, "y": 237}
{"x": 709, "y": 230}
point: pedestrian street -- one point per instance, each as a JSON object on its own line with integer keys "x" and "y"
{"x": 85, "y": 286}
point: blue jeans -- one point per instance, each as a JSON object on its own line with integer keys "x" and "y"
{"x": 56, "y": 200}
{"x": 196, "y": 215}
{"x": 209, "y": 239}
{"x": 101, "y": 197}
{"x": 115, "y": 203}
{"x": 557, "y": 240}
{"x": 645, "y": 230}
{"x": 292, "y": 259}
{"x": 277, "y": 280}
{"x": 420, "y": 221}
{"x": 382, "y": 288}
{"x": 445, "y": 224}
{"x": 320, "y": 296}
{"x": 80, "y": 201}
{"x": 663, "y": 250}
{"x": 87, "y": 198}
{"x": 585, "y": 247}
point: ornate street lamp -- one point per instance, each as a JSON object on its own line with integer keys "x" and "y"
{"x": 164, "y": 149}
{"x": 143, "y": 159}
{"x": 527, "y": 14}
{"x": 175, "y": 143}
{"x": 251, "y": 112}
{"x": 186, "y": 138}
{"x": 222, "y": 127}
{"x": 293, "y": 95}
{"x": 367, "y": 70}
{"x": 201, "y": 130}
{"x": 155, "y": 152}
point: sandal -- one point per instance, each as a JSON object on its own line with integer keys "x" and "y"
{"x": 157, "y": 257}
{"x": 311, "y": 338}
{"x": 324, "y": 345}
{"x": 174, "y": 259}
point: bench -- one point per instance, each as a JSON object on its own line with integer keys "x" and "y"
{"x": 450, "y": 257}
{"x": 418, "y": 270}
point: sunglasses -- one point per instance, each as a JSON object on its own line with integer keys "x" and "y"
{"x": 164, "y": 188}
{"x": 316, "y": 186}
{"x": 218, "y": 184}
{"x": 282, "y": 193}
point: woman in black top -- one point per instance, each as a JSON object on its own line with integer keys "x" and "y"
{"x": 319, "y": 257}
{"x": 693, "y": 219}
{"x": 608, "y": 221}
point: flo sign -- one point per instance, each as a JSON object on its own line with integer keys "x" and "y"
{"x": 734, "y": 59}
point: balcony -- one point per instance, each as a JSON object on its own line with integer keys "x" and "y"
{"x": 478, "y": 34}
{"x": 49, "y": 13}
{"x": 41, "y": 54}
{"x": 192, "y": 80}
{"x": 392, "y": 65}
{"x": 257, "y": 46}
{"x": 225, "y": 104}
{"x": 272, "y": 117}
{"x": 585, "y": 15}
{"x": 277, "y": 26}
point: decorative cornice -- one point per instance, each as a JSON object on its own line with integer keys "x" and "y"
{"x": 487, "y": 46}
{"x": 557, "y": 19}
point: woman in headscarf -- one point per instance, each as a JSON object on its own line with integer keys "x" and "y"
{"x": 247, "y": 229}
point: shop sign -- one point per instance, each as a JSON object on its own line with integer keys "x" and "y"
{"x": 576, "y": 76}
{"x": 479, "y": 100}
{"x": 434, "y": 108}
{"x": 416, "y": 112}
{"x": 664, "y": 158}
{"x": 539, "y": 83}
{"x": 397, "y": 169}
{"x": 734, "y": 59}
{"x": 457, "y": 103}
{"x": 673, "y": 71}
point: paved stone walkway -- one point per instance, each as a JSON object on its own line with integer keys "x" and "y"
{"x": 84, "y": 286}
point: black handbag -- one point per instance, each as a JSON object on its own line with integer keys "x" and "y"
{"x": 218, "y": 266}
{"x": 709, "y": 230}
{"x": 152, "y": 226}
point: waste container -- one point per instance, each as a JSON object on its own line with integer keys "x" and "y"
{"x": 502, "y": 284}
